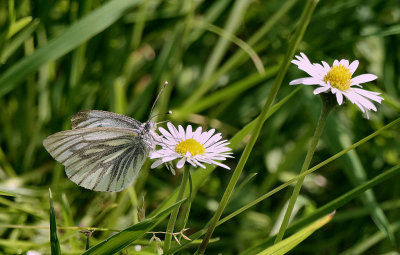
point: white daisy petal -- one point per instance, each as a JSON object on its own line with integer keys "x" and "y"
{"x": 339, "y": 97}
{"x": 156, "y": 163}
{"x": 189, "y": 133}
{"x": 320, "y": 90}
{"x": 306, "y": 81}
{"x": 172, "y": 130}
{"x": 180, "y": 163}
{"x": 368, "y": 94}
{"x": 353, "y": 66}
{"x": 197, "y": 133}
{"x": 181, "y": 132}
{"x": 363, "y": 78}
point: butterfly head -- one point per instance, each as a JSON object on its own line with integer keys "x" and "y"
{"x": 148, "y": 134}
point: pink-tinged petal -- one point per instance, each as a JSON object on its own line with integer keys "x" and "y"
{"x": 197, "y": 163}
{"x": 197, "y": 133}
{"x": 344, "y": 62}
{"x": 320, "y": 90}
{"x": 319, "y": 68}
{"x": 353, "y": 66}
{"x": 189, "y": 132}
{"x": 334, "y": 90}
{"x": 363, "y": 78}
{"x": 326, "y": 67}
{"x": 213, "y": 140}
{"x": 339, "y": 97}
{"x": 181, "y": 131}
{"x": 306, "y": 81}
{"x": 368, "y": 94}
{"x": 191, "y": 161}
{"x": 156, "y": 164}
{"x": 363, "y": 101}
{"x": 206, "y": 135}
{"x": 165, "y": 133}
{"x": 353, "y": 99}
{"x": 169, "y": 158}
{"x": 173, "y": 130}
{"x": 180, "y": 163}
{"x": 335, "y": 63}
{"x": 220, "y": 164}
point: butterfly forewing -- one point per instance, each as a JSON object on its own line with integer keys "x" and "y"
{"x": 100, "y": 158}
{"x": 96, "y": 118}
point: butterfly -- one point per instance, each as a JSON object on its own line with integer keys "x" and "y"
{"x": 104, "y": 151}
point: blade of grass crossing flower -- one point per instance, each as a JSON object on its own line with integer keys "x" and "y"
{"x": 291, "y": 242}
{"x": 304, "y": 20}
{"x": 54, "y": 243}
{"x": 122, "y": 239}
{"x": 329, "y": 207}
{"x": 73, "y": 36}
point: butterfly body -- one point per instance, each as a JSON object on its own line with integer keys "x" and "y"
{"x": 104, "y": 151}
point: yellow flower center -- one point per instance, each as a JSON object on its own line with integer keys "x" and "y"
{"x": 189, "y": 145}
{"x": 339, "y": 77}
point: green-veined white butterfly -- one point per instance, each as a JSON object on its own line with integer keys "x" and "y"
{"x": 104, "y": 151}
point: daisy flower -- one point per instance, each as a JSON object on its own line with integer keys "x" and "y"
{"x": 338, "y": 80}
{"x": 195, "y": 147}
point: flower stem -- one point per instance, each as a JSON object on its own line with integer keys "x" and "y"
{"x": 174, "y": 214}
{"x": 326, "y": 108}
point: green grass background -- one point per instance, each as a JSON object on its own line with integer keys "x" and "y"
{"x": 220, "y": 59}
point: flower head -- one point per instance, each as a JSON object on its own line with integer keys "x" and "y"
{"x": 338, "y": 80}
{"x": 195, "y": 147}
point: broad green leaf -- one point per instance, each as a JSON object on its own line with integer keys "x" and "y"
{"x": 122, "y": 239}
{"x": 79, "y": 32}
{"x": 54, "y": 243}
{"x": 289, "y": 243}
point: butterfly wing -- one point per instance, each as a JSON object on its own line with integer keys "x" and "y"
{"x": 96, "y": 118}
{"x": 101, "y": 158}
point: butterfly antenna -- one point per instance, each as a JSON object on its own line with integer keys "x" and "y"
{"x": 158, "y": 96}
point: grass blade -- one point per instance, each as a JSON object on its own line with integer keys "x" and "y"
{"x": 54, "y": 243}
{"x": 289, "y": 243}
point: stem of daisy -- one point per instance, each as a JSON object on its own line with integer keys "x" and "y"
{"x": 327, "y": 105}
{"x": 174, "y": 214}
{"x": 303, "y": 22}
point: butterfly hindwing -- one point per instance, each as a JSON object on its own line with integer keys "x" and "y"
{"x": 97, "y": 118}
{"x": 100, "y": 158}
